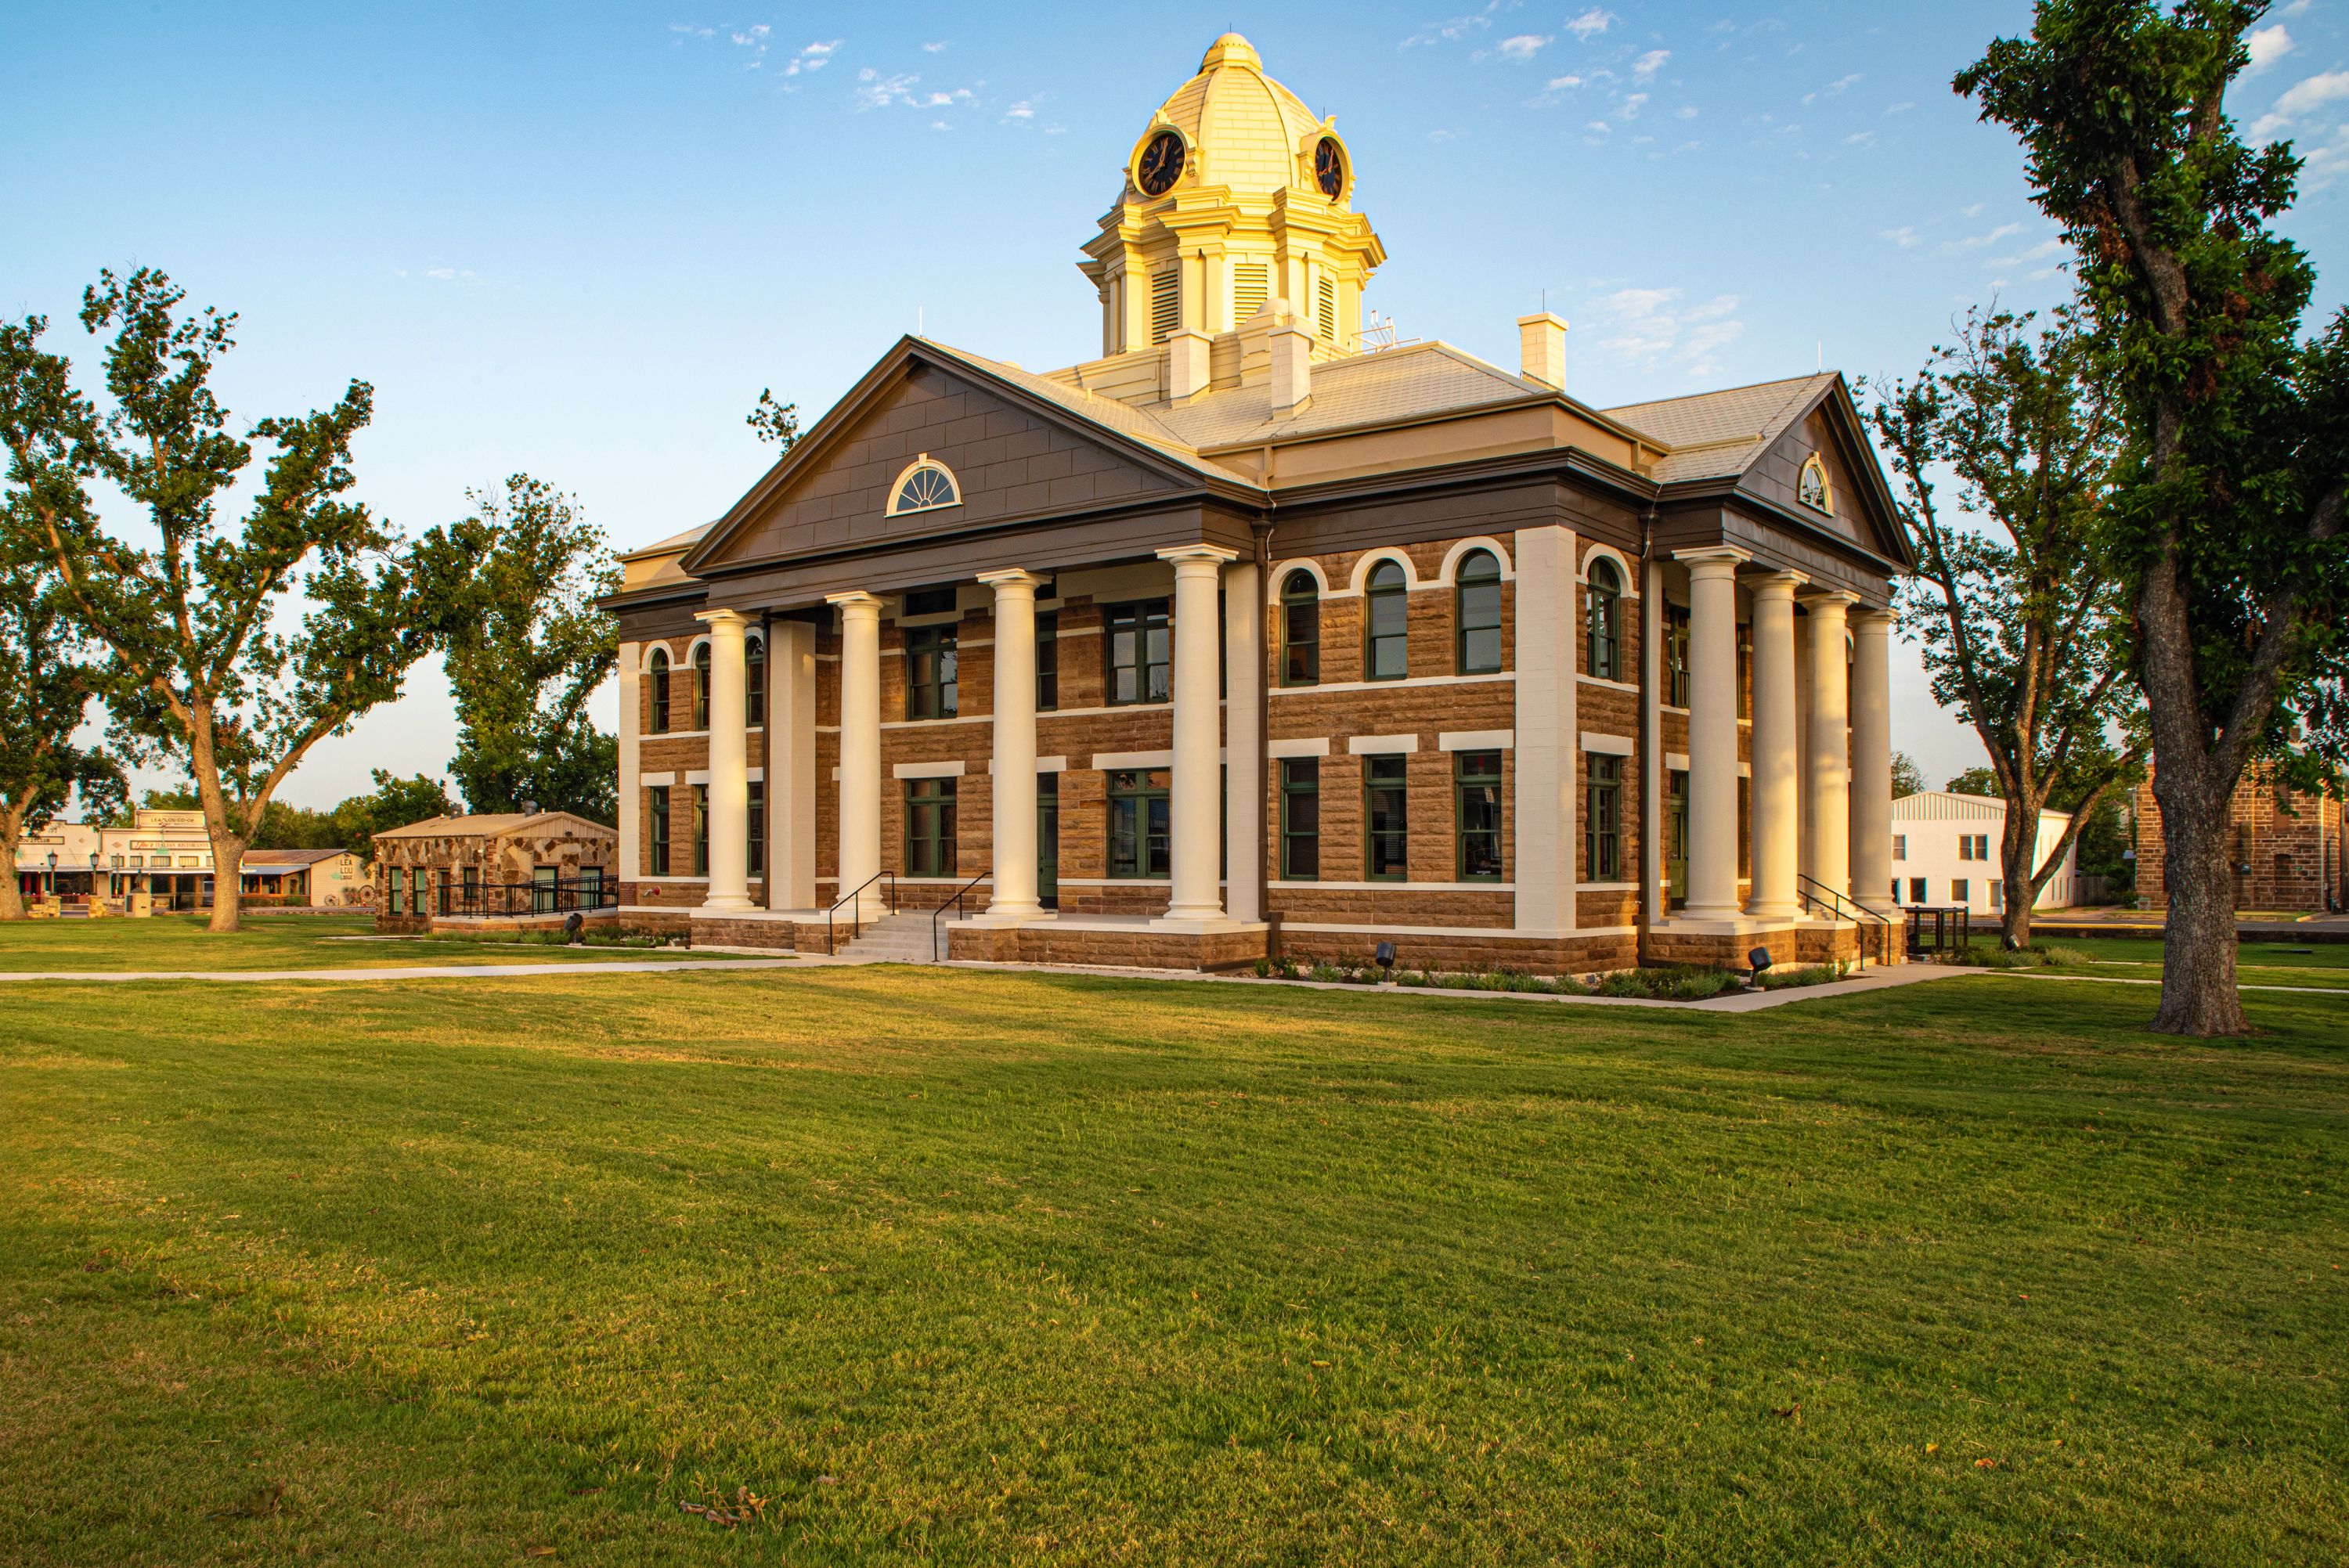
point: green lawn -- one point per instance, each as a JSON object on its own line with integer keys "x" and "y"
{"x": 179, "y": 941}
{"x": 979, "y": 1267}
{"x": 2255, "y": 962}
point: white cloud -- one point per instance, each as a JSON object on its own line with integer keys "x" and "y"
{"x": 1454, "y": 28}
{"x": 814, "y": 58}
{"x": 1446, "y": 135}
{"x": 1976, "y": 241}
{"x": 1020, "y": 110}
{"x": 1563, "y": 84}
{"x": 934, "y": 49}
{"x": 1523, "y": 46}
{"x": 2044, "y": 248}
{"x": 2268, "y": 44}
{"x": 1686, "y": 111}
{"x": 874, "y": 90}
{"x": 1591, "y": 23}
{"x": 1630, "y": 106}
{"x": 2325, "y": 162}
{"x": 1903, "y": 236}
{"x": 1840, "y": 83}
{"x": 443, "y": 274}
{"x": 2298, "y": 98}
{"x": 693, "y": 30}
{"x": 1652, "y": 327}
{"x": 1649, "y": 64}
{"x": 1901, "y": 107}
{"x": 1860, "y": 138}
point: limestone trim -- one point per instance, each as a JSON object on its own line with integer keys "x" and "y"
{"x": 859, "y": 812}
{"x": 1281, "y": 750}
{"x": 1043, "y": 765}
{"x": 629, "y": 666}
{"x": 1281, "y": 570}
{"x": 925, "y": 769}
{"x": 1128, "y": 761}
{"x": 1371, "y": 560}
{"x": 1630, "y": 578}
{"x": 656, "y": 780}
{"x": 1610, "y": 744}
{"x": 1448, "y": 575}
{"x": 1381, "y": 745}
{"x": 1476, "y": 740}
{"x": 1013, "y": 844}
{"x": 1196, "y": 797}
{"x": 1405, "y": 683}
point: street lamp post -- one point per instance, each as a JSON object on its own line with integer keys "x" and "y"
{"x": 50, "y": 889}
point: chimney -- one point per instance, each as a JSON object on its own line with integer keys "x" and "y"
{"x": 1541, "y": 349}
{"x": 1186, "y": 364}
{"x": 1292, "y": 368}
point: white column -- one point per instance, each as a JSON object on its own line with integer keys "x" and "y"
{"x": 631, "y": 822}
{"x": 729, "y": 766}
{"x": 790, "y": 765}
{"x": 1776, "y": 809}
{"x": 1872, "y": 760}
{"x": 1244, "y": 658}
{"x": 860, "y": 745}
{"x": 1541, "y": 817}
{"x": 1014, "y": 784}
{"x": 1830, "y": 744}
{"x": 1193, "y": 808}
{"x": 1712, "y": 733}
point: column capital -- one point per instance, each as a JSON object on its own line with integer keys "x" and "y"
{"x": 856, "y": 599}
{"x": 1829, "y": 601}
{"x": 1871, "y": 619}
{"x": 1779, "y": 584}
{"x": 722, "y": 617}
{"x": 1714, "y": 560}
{"x": 1011, "y": 577}
{"x": 1202, "y": 554}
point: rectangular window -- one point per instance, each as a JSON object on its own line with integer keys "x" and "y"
{"x": 1139, "y": 837}
{"x": 930, "y": 828}
{"x": 930, "y": 601}
{"x": 1997, "y": 894}
{"x": 1300, "y": 633}
{"x": 441, "y": 891}
{"x": 1745, "y": 669}
{"x": 395, "y": 891}
{"x": 701, "y": 829}
{"x": 657, "y": 818}
{"x": 1301, "y": 818}
{"x": 1960, "y": 891}
{"x": 930, "y": 671}
{"x": 757, "y": 825}
{"x": 1899, "y": 846}
{"x": 1478, "y": 600}
{"x": 541, "y": 889}
{"x": 1048, "y": 662}
{"x": 1165, "y": 301}
{"x": 1140, "y": 648}
{"x": 1602, "y": 850}
{"x": 1676, "y": 654}
{"x": 1386, "y": 801}
{"x": 754, "y": 683}
{"x": 1917, "y": 894}
{"x": 1476, "y": 813}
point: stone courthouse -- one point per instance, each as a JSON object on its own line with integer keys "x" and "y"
{"x": 1260, "y": 630}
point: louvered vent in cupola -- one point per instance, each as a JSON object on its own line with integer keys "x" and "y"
{"x": 1165, "y": 301}
{"x": 1328, "y": 309}
{"x": 1251, "y": 286}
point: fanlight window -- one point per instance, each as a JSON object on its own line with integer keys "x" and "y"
{"x": 1812, "y": 491}
{"x": 924, "y": 487}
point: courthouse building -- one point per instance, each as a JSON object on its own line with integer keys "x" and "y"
{"x": 1263, "y": 628}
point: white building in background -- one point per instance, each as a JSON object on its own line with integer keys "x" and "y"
{"x": 1945, "y": 853}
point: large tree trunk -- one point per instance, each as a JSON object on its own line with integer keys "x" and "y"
{"x": 2197, "y": 945}
{"x": 228, "y": 882}
{"x": 12, "y": 833}
{"x": 2018, "y": 852}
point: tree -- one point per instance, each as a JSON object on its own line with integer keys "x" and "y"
{"x": 2226, "y": 518}
{"x": 1907, "y": 778}
{"x": 2021, "y": 624}
{"x": 396, "y": 803}
{"x": 46, "y": 680}
{"x": 527, "y": 650}
{"x": 202, "y": 671}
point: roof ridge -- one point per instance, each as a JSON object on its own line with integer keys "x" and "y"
{"x": 1724, "y": 391}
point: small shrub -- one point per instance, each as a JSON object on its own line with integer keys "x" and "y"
{"x": 1415, "y": 978}
{"x": 1264, "y": 968}
{"x": 1810, "y": 975}
{"x": 1326, "y": 973}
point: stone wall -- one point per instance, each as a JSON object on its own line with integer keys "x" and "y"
{"x": 2291, "y": 843}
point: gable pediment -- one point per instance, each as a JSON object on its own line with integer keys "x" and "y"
{"x": 1010, "y": 461}
{"x": 1863, "y": 510}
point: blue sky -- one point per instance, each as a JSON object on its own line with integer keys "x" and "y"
{"x": 577, "y": 240}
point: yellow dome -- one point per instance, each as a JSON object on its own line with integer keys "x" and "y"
{"x": 1247, "y": 130}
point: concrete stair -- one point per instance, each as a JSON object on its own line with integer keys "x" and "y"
{"x": 898, "y": 939}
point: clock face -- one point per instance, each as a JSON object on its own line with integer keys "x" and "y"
{"x": 1161, "y": 165}
{"x": 1329, "y": 167}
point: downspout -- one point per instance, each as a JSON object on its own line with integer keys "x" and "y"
{"x": 1650, "y": 793}
{"x": 1264, "y": 712}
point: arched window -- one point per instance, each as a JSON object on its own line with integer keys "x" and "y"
{"x": 1300, "y": 629}
{"x": 924, "y": 486}
{"x": 1477, "y": 608}
{"x": 1386, "y": 621}
{"x": 1602, "y": 609}
{"x": 701, "y": 686}
{"x": 754, "y": 681}
{"x": 1812, "y": 489}
{"x": 659, "y": 671}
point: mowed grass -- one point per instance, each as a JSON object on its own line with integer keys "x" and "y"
{"x": 979, "y": 1267}
{"x": 2255, "y": 962}
{"x": 177, "y": 942}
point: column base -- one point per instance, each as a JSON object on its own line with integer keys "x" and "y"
{"x": 1202, "y": 923}
{"x": 996, "y": 916}
{"x": 729, "y": 904}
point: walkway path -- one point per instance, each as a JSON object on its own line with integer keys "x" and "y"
{"x": 410, "y": 971}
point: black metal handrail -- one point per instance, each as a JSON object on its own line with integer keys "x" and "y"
{"x": 1816, "y": 892}
{"x": 1953, "y": 928}
{"x": 518, "y": 900}
{"x": 956, "y": 903}
{"x": 831, "y": 945}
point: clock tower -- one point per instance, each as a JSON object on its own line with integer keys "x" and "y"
{"x": 1235, "y": 200}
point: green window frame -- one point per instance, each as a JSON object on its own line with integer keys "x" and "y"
{"x": 1300, "y": 629}
{"x": 1477, "y": 613}
{"x": 1602, "y": 817}
{"x": 657, "y": 817}
{"x": 930, "y": 828}
{"x": 657, "y": 670}
{"x": 701, "y": 686}
{"x": 1141, "y": 837}
{"x": 1140, "y": 654}
{"x": 754, "y": 681}
{"x": 1676, "y": 654}
{"x": 701, "y": 829}
{"x": 756, "y": 827}
{"x": 1386, "y": 822}
{"x": 1602, "y": 617}
{"x": 395, "y": 891}
{"x": 1386, "y": 623}
{"x": 1047, "y": 662}
{"x": 1301, "y": 818}
{"x": 1476, "y": 815}
{"x": 930, "y": 673}
{"x": 1746, "y": 669}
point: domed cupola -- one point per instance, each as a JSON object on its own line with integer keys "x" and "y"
{"x": 1235, "y": 197}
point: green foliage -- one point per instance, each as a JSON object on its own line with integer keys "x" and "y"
{"x": 527, "y": 650}
{"x": 200, "y": 674}
{"x": 1907, "y": 778}
{"x": 1976, "y": 782}
{"x": 47, "y": 676}
{"x": 1670, "y": 982}
{"x": 775, "y": 422}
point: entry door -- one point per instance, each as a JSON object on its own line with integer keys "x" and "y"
{"x": 1676, "y": 822}
{"x": 1048, "y": 840}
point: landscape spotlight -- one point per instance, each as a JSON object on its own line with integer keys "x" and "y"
{"x": 1759, "y": 958}
{"x": 1384, "y": 953}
